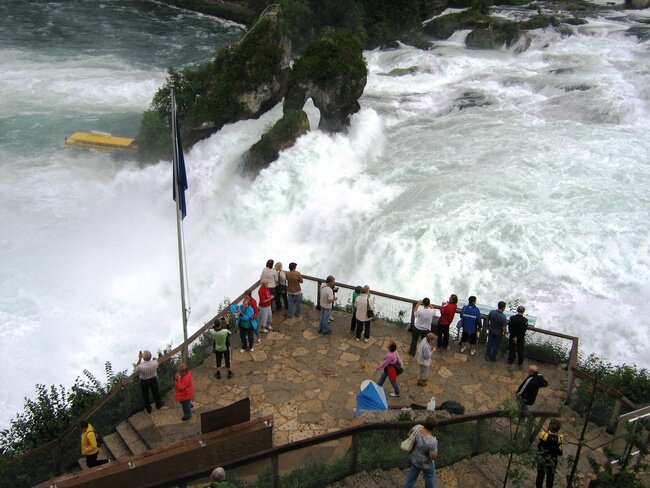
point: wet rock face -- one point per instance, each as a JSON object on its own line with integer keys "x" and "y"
{"x": 333, "y": 73}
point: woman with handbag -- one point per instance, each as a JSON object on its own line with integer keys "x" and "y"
{"x": 365, "y": 311}
{"x": 391, "y": 369}
{"x": 423, "y": 454}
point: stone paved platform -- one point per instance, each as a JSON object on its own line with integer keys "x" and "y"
{"x": 308, "y": 382}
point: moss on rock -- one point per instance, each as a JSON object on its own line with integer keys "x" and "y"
{"x": 243, "y": 81}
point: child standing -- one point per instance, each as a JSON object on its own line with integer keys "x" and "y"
{"x": 184, "y": 390}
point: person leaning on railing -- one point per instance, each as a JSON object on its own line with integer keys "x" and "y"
{"x": 294, "y": 291}
{"x": 447, "y": 313}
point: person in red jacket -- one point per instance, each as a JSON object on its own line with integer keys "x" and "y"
{"x": 184, "y": 390}
{"x": 447, "y": 313}
{"x": 266, "y": 299}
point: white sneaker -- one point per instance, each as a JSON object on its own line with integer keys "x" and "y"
{"x": 242, "y": 350}
{"x": 394, "y": 394}
{"x": 252, "y": 349}
{"x": 473, "y": 352}
{"x": 366, "y": 340}
{"x": 357, "y": 339}
{"x": 259, "y": 341}
{"x": 270, "y": 328}
{"x": 265, "y": 331}
{"x": 463, "y": 349}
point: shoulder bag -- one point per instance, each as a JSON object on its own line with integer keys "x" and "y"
{"x": 407, "y": 444}
{"x": 370, "y": 313}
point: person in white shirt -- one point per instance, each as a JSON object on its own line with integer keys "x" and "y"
{"x": 424, "y": 314}
{"x": 426, "y": 348}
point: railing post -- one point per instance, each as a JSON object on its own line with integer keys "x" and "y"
{"x": 571, "y": 377}
{"x": 275, "y": 472}
{"x": 613, "y": 420}
{"x": 412, "y": 316}
{"x": 354, "y": 454}
{"x": 479, "y": 429}
{"x": 319, "y": 283}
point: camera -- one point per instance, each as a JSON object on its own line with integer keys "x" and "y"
{"x": 335, "y": 289}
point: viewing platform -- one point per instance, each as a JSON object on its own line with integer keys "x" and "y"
{"x": 303, "y": 387}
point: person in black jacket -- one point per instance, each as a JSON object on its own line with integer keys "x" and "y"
{"x": 527, "y": 391}
{"x": 549, "y": 449}
{"x": 517, "y": 326}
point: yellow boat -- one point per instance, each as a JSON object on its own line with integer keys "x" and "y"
{"x": 102, "y": 141}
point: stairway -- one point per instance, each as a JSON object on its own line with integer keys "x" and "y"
{"x": 133, "y": 436}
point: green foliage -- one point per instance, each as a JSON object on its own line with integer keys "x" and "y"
{"x": 481, "y": 6}
{"x": 230, "y": 11}
{"x": 335, "y": 55}
{"x": 207, "y": 96}
{"x": 547, "y": 351}
{"x": 631, "y": 381}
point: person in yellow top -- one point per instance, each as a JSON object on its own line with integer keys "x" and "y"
{"x": 549, "y": 449}
{"x": 89, "y": 446}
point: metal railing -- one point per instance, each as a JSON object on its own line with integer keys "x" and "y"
{"x": 49, "y": 456}
{"x": 326, "y": 458}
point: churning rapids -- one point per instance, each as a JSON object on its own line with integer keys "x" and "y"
{"x": 501, "y": 174}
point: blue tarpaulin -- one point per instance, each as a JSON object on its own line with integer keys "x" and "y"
{"x": 372, "y": 397}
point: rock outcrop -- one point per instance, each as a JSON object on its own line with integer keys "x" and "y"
{"x": 332, "y": 72}
{"x": 243, "y": 81}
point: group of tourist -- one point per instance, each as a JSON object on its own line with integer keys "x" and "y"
{"x": 283, "y": 289}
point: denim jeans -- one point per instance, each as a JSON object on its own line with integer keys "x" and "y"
{"x": 429, "y": 476}
{"x": 493, "y": 346}
{"x": 295, "y": 301}
{"x": 395, "y": 384}
{"x": 187, "y": 408}
{"x": 325, "y": 315}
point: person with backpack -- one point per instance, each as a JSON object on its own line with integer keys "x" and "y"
{"x": 353, "y": 320}
{"x": 90, "y": 444}
{"x": 423, "y": 454}
{"x": 391, "y": 368}
{"x": 220, "y": 333}
{"x": 470, "y": 317}
{"x": 281, "y": 288}
{"x": 549, "y": 449}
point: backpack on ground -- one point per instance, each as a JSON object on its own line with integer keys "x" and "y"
{"x": 452, "y": 406}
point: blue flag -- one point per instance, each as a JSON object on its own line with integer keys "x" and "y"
{"x": 180, "y": 178}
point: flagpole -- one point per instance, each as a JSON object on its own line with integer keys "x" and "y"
{"x": 179, "y": 224}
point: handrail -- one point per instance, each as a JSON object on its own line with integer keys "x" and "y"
{"x": 348, "y": 431}
{"x": 607, "y": 388}
{"x": 122, "y": 385}
{"x": 573, "y": 353}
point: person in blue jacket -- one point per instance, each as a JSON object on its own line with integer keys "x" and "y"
{"x": 245, "y": 317}
{"x": 470, "y": 317}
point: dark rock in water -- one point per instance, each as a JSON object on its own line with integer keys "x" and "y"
{"x": 282, "y": 135}
{"x": 637, "y": 4}
{"x": 641, "y": 32}
{"x": 561, "y": 71}
{"x": 575, "y": 21}
{"x": 579, "y": 87}
{"x": 471, "y": 99}
{"x": 444, "y": 26}
{"x": 403, "y": 71}
{"x": 333, "y": 73}
{"x": 491, "y": 38}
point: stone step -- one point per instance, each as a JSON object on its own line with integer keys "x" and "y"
{"x": 103, "y": 454}
{"x": 381, "y": 479}
{"x": 116, "y": 446}
{"x": 131, "y": 438}
{"x": 147, "y": 430}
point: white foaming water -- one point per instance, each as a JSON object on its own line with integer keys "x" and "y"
{"x": 489, "y": 173}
